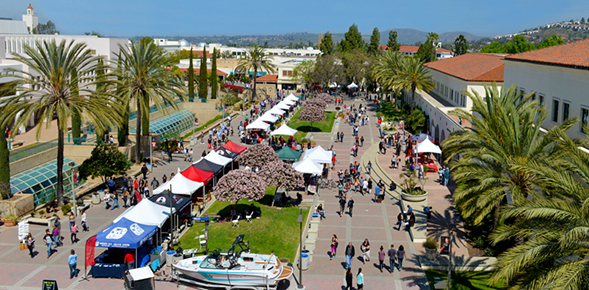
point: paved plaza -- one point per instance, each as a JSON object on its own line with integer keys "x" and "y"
{"x": 374, "y": 221}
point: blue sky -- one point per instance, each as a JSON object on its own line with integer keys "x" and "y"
{"x": 231, "y": 17}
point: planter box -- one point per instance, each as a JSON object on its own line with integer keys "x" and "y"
{"x": 9, "y": 223}
{"x": 414, "y": 198}
{"x": 431, "y": 254}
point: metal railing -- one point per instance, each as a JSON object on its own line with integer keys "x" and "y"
{"x": 37, "y": 148}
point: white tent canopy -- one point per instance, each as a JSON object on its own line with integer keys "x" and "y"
{"x": 289, "y": 102}
{"x": 284, "y": 130}
{"x": 308, "y": 166}
{"x": 291, "y": 95}
{"x": 352, "y": 86}
{"x": 333, "y": 85}
{"x": 291, "y": 98}
{"x": 146, "y": 212}
{"x": 268, "y": 118}
{"x": 214, "y": 157}
{"x": 319, "y": 155}
{"x": 258, "y": 124}
{"x": 180, "y": 185}
{"x": 276, "y": 111}
{"x": 282, "y": 105}
{"x": 427, "y": 146}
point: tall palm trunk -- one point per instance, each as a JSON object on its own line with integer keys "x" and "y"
{"x": 60, "y": 148}
{"x": 4, "y": 164}
{"x": 255, "y": 77}
{"x": 138, "y": 133}
{"x": 412, "y": 99}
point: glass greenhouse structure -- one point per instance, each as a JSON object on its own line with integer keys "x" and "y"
{"x": 177, "y": 122}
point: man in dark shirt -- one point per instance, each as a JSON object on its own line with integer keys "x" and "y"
{"x": 350, "y": 253}
{"x": 392, "y": 253}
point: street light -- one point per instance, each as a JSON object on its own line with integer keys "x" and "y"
{"x": 300, "y": 221}
{"x": 72, "y": 164}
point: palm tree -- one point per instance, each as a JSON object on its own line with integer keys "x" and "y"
{"x": 505, "y": 132}
{"x": 413, "y": 76}
{"x": 146, "y": 77}
{"x": 555, "y": 229}
{"x": 386, "y": 69}
{"x": 46, "y": 91}
{"x": 255, "y": 60}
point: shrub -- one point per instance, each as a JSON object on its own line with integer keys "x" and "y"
{"x": 33, "y": 213}
{"x": 65, "y": 208}
{"x": 41, "y": 212}
{"x": 10, "y": 217}
{"x": 430, "y": 243}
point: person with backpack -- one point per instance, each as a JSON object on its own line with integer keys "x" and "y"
{"x": 350, "y": 206}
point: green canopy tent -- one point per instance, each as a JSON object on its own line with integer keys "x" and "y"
{"x": 288, "y": 154}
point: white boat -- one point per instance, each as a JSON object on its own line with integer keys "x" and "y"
{"x": 235, "y": 267}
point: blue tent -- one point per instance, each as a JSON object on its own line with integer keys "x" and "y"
{"x": 124, "y": 234}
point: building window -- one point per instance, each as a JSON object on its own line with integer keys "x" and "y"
{"x": 286, "y": 73}
{"x": 541, "y": 100}
{"x": 584, "y": 117}
{"x": 451, "y": 95}
{"x": 555, "y": 104}
{"x": 565, "y": 110}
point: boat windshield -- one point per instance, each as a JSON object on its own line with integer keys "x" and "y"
{"x": 215, "y": 261}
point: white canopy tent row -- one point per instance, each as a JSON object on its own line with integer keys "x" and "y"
{"x": 289, "y": 102}
{"x": 284, "y": 130}
{"x": 258, "y": 124}
{"x": 268, "y": 118}
{"x": 276, "y": 111}
{"x": 282, "y": 106}
{"x": 308, "y": 166}
{"x": 146, "y": 212}
{"x": 291, "y": 97}
{"x": 427, "y": 146}
{"x": 180, "y": 185}
{"x": 319, "y": 155}
{"x": 214, "y": 157}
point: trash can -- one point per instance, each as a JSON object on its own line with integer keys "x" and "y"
{"x": 315, "y": 216}
{"x": 178, "y": 257}
{"x": 96, "y": 198}
{"x": 305, "y": 259}
{"x": 170, "y": 257}
{"x": 101, "y": 194}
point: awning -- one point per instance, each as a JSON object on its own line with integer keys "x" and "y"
{"x": 234, "y": 147}
{"x": 289, "y": 154}
{"x": 124, "y": 234}
{"x": 180, "y": 185}
{"x": 308, "y": 166}
{"x": 319, "y": 155}
{"x": 206, "y": 165}
{"x": 227, "y": 152}
{"x": 284, "y": 130}
{"x": 292, "y": 98}
{"x": 289, "y": 102}
{"x": 179, "y": 202}
{"x": 147, "y": 213}
{"x": 421, "y": 137}
{"x": 282, "y": 106}
{"x": 268, "y": 118}
{"x": 276, "y": 111}
{"x": 198, "y": 175}
{"x": 352, "y": 86}
{"x": 427, "y": 146}
{"x": 258, "y": 124}
{"x": 214, "y": 157}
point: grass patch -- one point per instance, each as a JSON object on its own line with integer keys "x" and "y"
{"x": 388, "y": 112}
{"x": 465, "y": 280}
{"x": 203, "y": 126}
{"x": 276, "y": 229}
{"x": 323, "y": 126}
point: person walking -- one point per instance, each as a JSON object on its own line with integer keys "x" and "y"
{"x": 334, "y": 244}
{"x": 350, "y": 254}
{"x": 364, "y": 187}
{"x": 446, "y": 176}
{"x": 400, "y": 257}
{"x": 48, "y": 241}
{"x": 72, "y": 218}
{"x": 342, "y": 205}
{"x": 349, "y": 279}
{"x": 56, "y": 236}
{"x": 392, "y": 253}
{"x": 125, "y": 199}
{"x": 365, "y": 251}
{"x": 341, "y": 135}
{"x": 154, "y": 183}
{"x": 84, "y": 221}
{"x": 30, "y": 243}
{"x": 400, "y": 220}
{"x": 107, "y": 200}
{"x": 376, "y": 192}
{"x": 350, "y": 206}
{"x": 74, "y": 233}
{"x": 360, "y": 279}
{"x": 369, "y": 167}
{"x": 129, "y": 260}
{"x": 381, "y": 255}
{"x": 115, "y": 200}
{"x": 144, "y": 171}
{"x": 369, "y": 186}
{"x": 72, "y": 261}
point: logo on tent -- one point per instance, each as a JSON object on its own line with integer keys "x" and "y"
{"x": 222, "y": 152}
{"x": 161, "y": 199}
{"x": 136, "y": 229}
{"x": 116, "y": 233}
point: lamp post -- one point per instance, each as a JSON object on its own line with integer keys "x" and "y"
{"x": 300, "y": 221}
{"x": 72, "y": 164}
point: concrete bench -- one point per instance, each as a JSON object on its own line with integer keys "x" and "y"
{"x": 84, "y": 206}
{"x": 18, "y": 143}
{"x": 42, "y": 221}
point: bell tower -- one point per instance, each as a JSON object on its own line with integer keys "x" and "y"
{"x": 31, "y": 19}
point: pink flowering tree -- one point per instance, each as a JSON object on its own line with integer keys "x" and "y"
{"x": 282, "y": 175}
{"x": 240, "y": 184}
{"x": 327, "y": 98}
{"x": 315, "y": 103}
{"x": 257, "y": 156}
{"x": 312, "y": 114}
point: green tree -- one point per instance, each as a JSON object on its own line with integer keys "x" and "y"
{"x": 392, "y": 43}
{"x": 374, "y": 42}
{"x": 460, "y": 45}
{"x": 52, "y": 92}
{"x": 4, "y": 156}
{"x": 203, "y": 82}
{"x": 48, "y": 28}
{"x": 352, "y": 40}
{"x": 303, "y": 73}
{"x": 413, "y": 76}
{"x": 416, "y": 121}
{"x": 356, "y": 65}
{"x": 328, "y": 70}
{"x": 105, "y": 161}
{"x": 550, "y": 41}
{"x": 326, "y": 45}
{"x": 101, "y": 87}
{"x": 505, "y": 131}
{"x": 123, "y": 130}
{"x": 214, "y": 77}
{"x": 493, "y": 47}
{"x": 386, "y": 69}
{"x": 427, "y": 50}
{"x": 190, "y": 76}
{"x": 255, "y": 60}
{"x": 76, "y": 117}
{"x": 145, "y": 79}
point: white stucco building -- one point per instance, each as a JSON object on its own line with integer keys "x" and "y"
{"x": 411, "y": 50}
{"x": 31, "y": 19}
{"x": 559, "y": 76}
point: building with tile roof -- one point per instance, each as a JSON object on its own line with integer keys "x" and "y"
{"x": 411, "y": 50}
{"x": 559, "y": 78}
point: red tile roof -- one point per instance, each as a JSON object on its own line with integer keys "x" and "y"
{"x": 572, "y": 54}
{"x": 198, "y": 53}
{"x": 197, "y": 71}
{"x": 479, "y": 67}
{"x": 267, "y": 78}
{"x": 412, "y": 48}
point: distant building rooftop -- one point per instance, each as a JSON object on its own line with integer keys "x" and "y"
{"x": 573, "y": 54}
{"x": 481, "y": 67}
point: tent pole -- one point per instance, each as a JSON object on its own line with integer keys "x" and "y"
{"x": 171, "y": 219}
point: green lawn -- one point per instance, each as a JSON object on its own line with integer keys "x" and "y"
{"x": 323, "y": 126}
{"x": 465, "y": 280}
{"x": 276, "y": 229}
